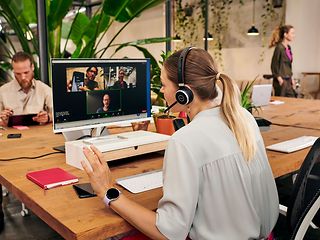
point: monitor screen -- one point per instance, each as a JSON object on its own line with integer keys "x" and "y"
{"x": 89, "y": 93}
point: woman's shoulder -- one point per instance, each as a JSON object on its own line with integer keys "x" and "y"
{"x": 280, "y": 46}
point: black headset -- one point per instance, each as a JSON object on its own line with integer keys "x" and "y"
{"x": 184, "y": 95}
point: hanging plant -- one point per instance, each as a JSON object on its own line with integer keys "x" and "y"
{"x": 187, "y": 20}
{"x": 189, "y": 24}
{"x": 268, "y": 16}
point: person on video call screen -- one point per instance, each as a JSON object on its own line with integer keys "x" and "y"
{"x": 105, "y": 103}
{"x": 120, "y": 83}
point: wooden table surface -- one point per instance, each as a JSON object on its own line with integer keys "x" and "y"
{"x": 60, "y": 208}
{"x": 75, "y": 218}
{"x": 295, "y": 112}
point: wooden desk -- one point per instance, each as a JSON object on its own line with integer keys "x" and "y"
{"x": 296, "y": 112}
{"x": 75, "y": 218}
{"x": 283, "y": 163}
{"x": 60, "y": 208}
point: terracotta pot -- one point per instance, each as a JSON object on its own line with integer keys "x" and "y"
{"x": 164, "y": 125}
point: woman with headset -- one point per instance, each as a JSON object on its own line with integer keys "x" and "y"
{"x": 217, "y": 180}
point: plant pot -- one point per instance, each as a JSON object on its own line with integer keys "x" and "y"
{"x": 164, "y": 124}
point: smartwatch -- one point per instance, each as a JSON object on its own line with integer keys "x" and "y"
{"x": 112, "y": 194}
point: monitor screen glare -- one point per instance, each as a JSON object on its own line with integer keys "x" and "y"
{"x": 89, "y": 93}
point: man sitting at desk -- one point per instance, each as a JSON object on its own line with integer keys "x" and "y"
{"x": 24, "y": 94}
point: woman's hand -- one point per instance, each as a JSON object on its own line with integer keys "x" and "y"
{"x": 280, "y": 80}
{"x": 99, "y": 173}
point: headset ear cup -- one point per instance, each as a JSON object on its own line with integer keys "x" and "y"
{"x": 184, "y": 95}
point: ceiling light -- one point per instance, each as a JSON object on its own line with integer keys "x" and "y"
{"x": 253, "y": 31}
{"x": 209, "y": 37}
{"x": 176, "y": 38}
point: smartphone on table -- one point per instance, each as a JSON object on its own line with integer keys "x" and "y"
{"x": 84, "y": 190}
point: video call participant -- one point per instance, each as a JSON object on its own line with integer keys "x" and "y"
{"x": 218, "y": 183}
{"x": 89, "y": 80}
{"x": 24, "y": 94}
{"x": 106, "y": 104}
{"x": 120, "y": 83}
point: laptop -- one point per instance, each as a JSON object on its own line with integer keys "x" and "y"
{"x": 261, "y": 94}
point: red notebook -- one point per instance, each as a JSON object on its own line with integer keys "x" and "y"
{"x": 52, "y": 177}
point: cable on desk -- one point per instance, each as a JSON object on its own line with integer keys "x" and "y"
{"x": 16, "y": 158}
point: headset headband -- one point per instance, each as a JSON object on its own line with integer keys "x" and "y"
{"x": 181, "y": 65}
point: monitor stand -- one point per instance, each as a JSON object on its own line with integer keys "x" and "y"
{"x": 81, "y": 134}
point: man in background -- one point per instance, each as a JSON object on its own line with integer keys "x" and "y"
{"x": 106, "y": 104}
{"x": 120, "y": 83}
{"x": 89, "y": 81}
{"x": 24, "y": 94}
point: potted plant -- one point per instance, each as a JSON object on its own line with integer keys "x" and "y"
{"x": 164, "y": 122}
{"x": 246, "y": 101}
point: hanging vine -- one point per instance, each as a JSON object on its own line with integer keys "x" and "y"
{"x": 190, "y": 17}
{"x": 268, "y": 16}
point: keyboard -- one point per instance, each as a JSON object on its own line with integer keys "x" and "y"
{"x": 125, "y": 140}
{"x": 293, "y": 144}
{"x": 142, "y": 182}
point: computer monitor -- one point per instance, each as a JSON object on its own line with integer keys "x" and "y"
{"x": 92, "y": 93}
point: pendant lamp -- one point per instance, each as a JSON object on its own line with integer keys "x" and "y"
{"x": 253, "y": 31}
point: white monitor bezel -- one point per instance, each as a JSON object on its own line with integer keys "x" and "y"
{"x": 104, "y": 122}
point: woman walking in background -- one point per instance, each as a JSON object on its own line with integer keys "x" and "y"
{"x": 281, "y": 65}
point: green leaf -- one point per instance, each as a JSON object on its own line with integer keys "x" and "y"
{"x": 97, "y": 25}
{"x": 16, "y": 6}
{"x": 76, "y": 27}
{"x": 29, "y": 11}
{"x": 124, "y": 10}
{"x": 88, "y": 50}
{"x": 5, "y": 66}
{"x": 112, "y": 7}
{"x": 77, "y": 52}
{"x": 58, "y": 10}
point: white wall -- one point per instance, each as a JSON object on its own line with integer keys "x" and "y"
{"x": 305, "y": 17}
{"x": 245, "y": 63}
{"x": 150, "y": 24}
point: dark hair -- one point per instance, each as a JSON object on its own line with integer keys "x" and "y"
{"x": 21, "y": 57}
{"x": 278, "y": 34}
{"x": 201, "y": 76}
{"x": 89, "y": 69}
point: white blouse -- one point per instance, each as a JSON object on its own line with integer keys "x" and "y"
{"x": 210, "y": 191}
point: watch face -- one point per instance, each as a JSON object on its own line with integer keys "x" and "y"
{"x": 112, "y": 193}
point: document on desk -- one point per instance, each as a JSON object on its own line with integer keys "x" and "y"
{"x": 293, "y": 145}
{"x": 142, "y": 182}
{"x": 52, "y": 177}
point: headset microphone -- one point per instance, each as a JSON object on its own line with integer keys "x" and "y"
{"x": 168, "y": 108}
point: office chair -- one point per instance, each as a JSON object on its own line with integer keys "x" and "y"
{"x": 303, "y": 216}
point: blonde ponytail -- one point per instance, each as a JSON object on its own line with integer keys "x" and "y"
{"x": 236, "y": 119}
{"x": 275, "y": 37}
{"x": 278, "y": 34}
